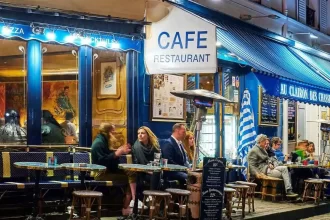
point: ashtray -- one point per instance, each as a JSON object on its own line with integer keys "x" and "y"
{"x": 82, "y": 164}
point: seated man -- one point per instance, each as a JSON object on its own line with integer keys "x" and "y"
{"x": 260, "y": 163}
{"x": 174, "y": 152}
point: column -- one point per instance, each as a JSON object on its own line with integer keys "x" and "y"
{"x": 285, "y": 126}
{"x": 219, "y": 150}
{"x": 34, "y": 93}
{"x": 85, "y": 88}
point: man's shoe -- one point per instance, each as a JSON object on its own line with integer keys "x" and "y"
{"x": 289, "y": 193}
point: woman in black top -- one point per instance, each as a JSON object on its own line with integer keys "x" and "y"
{"x": 102, "y": 155}
{"x": 143, "y": 152}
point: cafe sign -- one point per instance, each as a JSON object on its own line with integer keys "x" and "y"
{"x": 305, "y": 94}
{"x": 180, "y": 42}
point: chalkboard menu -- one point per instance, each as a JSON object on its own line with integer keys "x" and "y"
{"x": 268, "y": 109}
{"x": 212, "y": 188}
{"x": 292, "y": 112}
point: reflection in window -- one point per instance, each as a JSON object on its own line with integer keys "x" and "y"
{"x": 12, "y": 92}
{"x": 60, "y": 120}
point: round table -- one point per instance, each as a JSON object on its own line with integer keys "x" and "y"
{"x": 37, "y": 167}
{"x": 173, "y": 167}
{"x": 139, "y": 168}
{"x": 83, "y": 169}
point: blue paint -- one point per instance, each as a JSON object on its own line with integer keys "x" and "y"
{"x": 34, "y": 101}
{"x": 132, "y": 96}
{"x": 85, "y": 96}
{"x": 197, "y": 81}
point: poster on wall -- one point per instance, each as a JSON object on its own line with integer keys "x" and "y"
{"x": 60, "y": 97}
{"x": 268, "y": 109}
{"x": 174, "y": 45}
{"x": 292, "y": 120}
{"x": 108, "y": 80}
{"x": 165, "y": 106}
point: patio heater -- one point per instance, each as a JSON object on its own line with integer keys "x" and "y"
{"x": 202, "y": 100}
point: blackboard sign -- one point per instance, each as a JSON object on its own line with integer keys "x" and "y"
{"x": 268, "y": 109}
{"x": 292, "y": 112}
{"x": 212, "y": 188}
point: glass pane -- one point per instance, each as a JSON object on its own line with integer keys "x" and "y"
{"x": 109, "y": 94}
{"x": 12, "y": 92}
{"x": 207, "y": 141}
{"x": 60, "y": 94}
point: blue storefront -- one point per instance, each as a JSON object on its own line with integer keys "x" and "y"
{"x": 55, "y": 51}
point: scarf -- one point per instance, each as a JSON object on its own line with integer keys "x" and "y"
{"x": 143, "y": 154}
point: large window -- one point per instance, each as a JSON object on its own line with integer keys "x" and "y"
{"x": 12, "y": 92}
{"x": 60, "y": 94}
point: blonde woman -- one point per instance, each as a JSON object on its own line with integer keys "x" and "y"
{"x": 143, "y": 152}
{"x": 102, "y": 155}
{"x": 189, "y": 146}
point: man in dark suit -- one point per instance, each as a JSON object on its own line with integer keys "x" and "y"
{"x": 174, "y": 152}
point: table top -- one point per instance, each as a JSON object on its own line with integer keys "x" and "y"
{"x": 173, "y": 167}
{"x": 139, "y": 167}
{"x": 309, "y": 166}
{"x": 86, "y": 167}
{"x": 38, "y": 166}
{"x": 233, "y": 167}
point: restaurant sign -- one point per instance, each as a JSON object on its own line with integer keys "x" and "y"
{"x": 306, "y": 94}
{"x": 180, "y": 42}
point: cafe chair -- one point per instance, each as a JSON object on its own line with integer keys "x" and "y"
{"x": 313, "y": 189}
{"x": 229, "y": 193}
{"x": 250, "y": 193}
{"x": 87, "y": 199}
{"x": 241, "y": 193}
{"x": 157, "y": 197}
{"x": 182, "y": 196}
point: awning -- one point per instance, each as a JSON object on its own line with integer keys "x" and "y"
{"x": 269, "y": 54}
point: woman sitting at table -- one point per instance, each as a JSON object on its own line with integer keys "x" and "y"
{"x": 102, "y": 155}
{"x": 143, "y": 152}
{"x": 189, "y": 146}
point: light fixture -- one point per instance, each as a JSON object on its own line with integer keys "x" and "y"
{"x": 246, "y": 17}
{"x": 86, "y": 40}
{"x": 51, "y": 35}
{"x": 6, "y": 30}
{"x": 115, "y": 44}
{"x": 311, "y": 35}
{"x": 101, "y": 43}
{"x": 218, "y": 44}
{"x": 70, "y": 38}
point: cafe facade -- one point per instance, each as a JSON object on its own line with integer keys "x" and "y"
{"x": 280, "y": 74}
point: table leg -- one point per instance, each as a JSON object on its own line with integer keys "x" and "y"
{"x": 138, "y": 192}
{"x": 82, "y": 179}
{"x": 36, "y": 197}
{"x": 227, "y": 176}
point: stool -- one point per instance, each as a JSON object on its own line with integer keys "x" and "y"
{"x": 156, "y": 198}
{"x": 241, "y": 192}
{"x": 87, "y": 198}
{"x": 183, "y": 197}
{"x": 326, "y": 182}
{"x": 250, "y": 193}
{"x": 273, "y": 183}
{"x": 309, "y": 185}
{"x": 229, "y": 192}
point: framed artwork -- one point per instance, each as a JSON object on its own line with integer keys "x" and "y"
{"x": 108, "y": 80}
{"x": 165, "y": 106}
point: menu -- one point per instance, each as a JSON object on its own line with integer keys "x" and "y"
{"x": 212, "y": 188}
{"x": 166, "y": 106}
{"x": 268, "y": 109}
{"x": 291, "y": 120}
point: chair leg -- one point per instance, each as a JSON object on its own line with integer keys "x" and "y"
{"x": 187, "y": 209}
{"x": 88, "y": 208}
{"x": 152, "y": 208}
{"x": 229, "y": 204}
{"x": 99, "y": 204}
{"x": 181, "y": 207}
{"x": 144, "y": 202}
{"x": 249, "y": 202}
{"x": 244, "y": 192}
{"x": 305, "y": 191}
{"x": 72, "y": 207}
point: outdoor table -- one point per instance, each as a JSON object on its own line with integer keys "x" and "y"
{"x": 37, "y": 167}
{"x": 139, "y": 169}
{"x": 233, "y": 167}
{"x": 83, "y": 169}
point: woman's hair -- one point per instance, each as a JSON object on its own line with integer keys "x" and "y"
{"x": 105, "y": 129}
{"x": 49, "y": 118}
{"x": 190, "y": 151}
{"x": 152, "y": 139}
{"x": 312, "y": 143}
